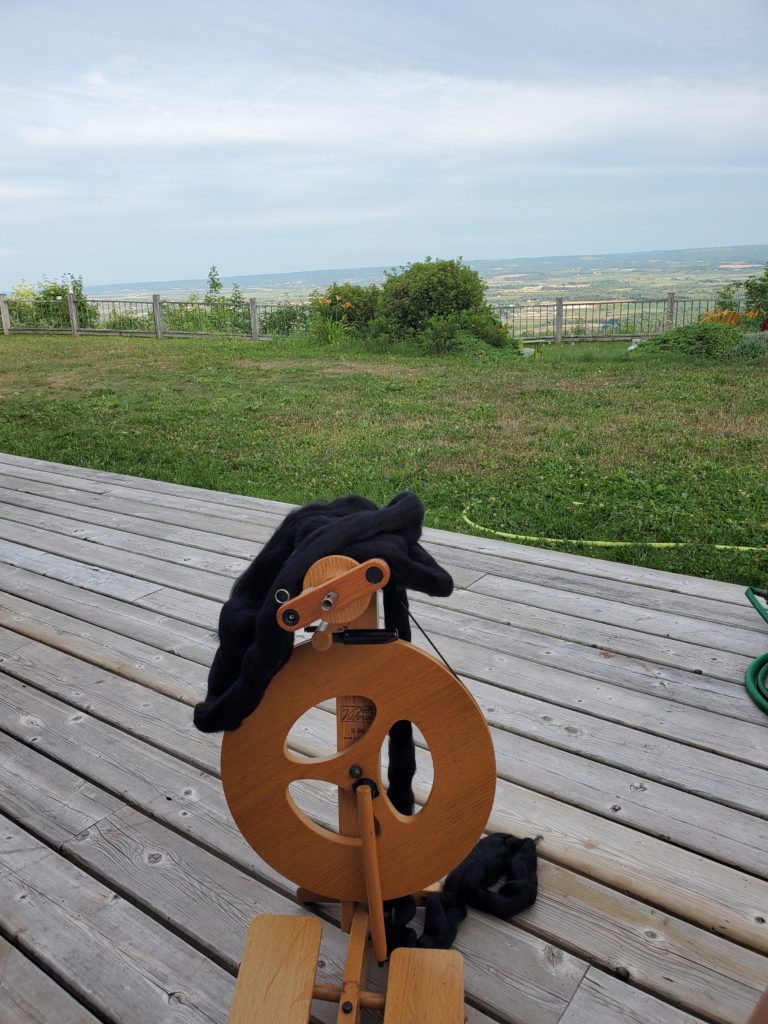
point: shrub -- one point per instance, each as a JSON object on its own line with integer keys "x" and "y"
{"x": 751, "y": 345}
{"x": 46, "y": 305}
{"x": 285, "y": 319}
{"x": 755, "y": 292}
{"x": 122, "y": 321}
{"x": 356, "y": 304}
{"x": 703, "y": 339}
{"x": 420, "y": 291}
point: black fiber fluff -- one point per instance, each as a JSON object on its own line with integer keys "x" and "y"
{"x": 252, "y": 646}
{"x": 498, "y": 876}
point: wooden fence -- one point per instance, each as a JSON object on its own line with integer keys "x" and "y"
{"x": 555, "y": 321}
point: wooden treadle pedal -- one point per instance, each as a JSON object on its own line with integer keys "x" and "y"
{"x": 425, "y": 986}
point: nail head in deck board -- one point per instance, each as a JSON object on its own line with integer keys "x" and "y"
{"x": 120, "y": 961}
{"x": 29, "y": 996}
{"x": 601, "y": 999}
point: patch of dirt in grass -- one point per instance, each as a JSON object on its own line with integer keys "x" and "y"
{"x": 67, "y": 379}
{"x": 378, "y": 369}
{"x": 728, "y": 424}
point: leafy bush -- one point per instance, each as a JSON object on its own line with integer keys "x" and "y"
{"x": 751, "y": 345}
{"x": 285, "y": 319}
{"x": 45, "y": 305}
{"x": 709, "y": 340}
{"x": 123, "y": 321}
{"x": 420, "y": 291}
{"x": 754, "y": 291}
{"x": 356, "y": 304}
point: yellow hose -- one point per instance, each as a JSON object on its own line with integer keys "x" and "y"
{"x": 527, "y": 539}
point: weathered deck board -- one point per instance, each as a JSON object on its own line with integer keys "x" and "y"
{"x": 29, "y": 996}
{"x": 615, "y": 698}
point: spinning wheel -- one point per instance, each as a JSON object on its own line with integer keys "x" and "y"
{"x": 379, "y": 853}
{"x": 402, "y": 682}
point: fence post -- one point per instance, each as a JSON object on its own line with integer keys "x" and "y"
{"x": 72, "y": 312}
{"x": 4, "y": 314}
{"x": 254, "y": 309}
{"x": 157, "y": 311}
{"x": 558, "y": 320}
{"x": 670, "y": 310}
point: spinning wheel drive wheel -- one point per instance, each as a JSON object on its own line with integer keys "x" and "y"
{"x": 413, "y": 851}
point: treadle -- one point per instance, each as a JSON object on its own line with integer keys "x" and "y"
{"x": 277, "y": 972}
{"x": 425, "y": 986}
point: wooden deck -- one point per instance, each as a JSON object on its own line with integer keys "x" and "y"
{"x": 623, "y": 734}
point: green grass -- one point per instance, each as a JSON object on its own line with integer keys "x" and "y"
{"x": 586, "y": 442}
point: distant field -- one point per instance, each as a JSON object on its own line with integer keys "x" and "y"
{"x": 584, "y": 443}
{"x": 691, "y": 273}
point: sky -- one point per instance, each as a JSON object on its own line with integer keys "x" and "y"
{"x": 147, "y": 141}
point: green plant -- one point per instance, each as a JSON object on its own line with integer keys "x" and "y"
{"x": 286, "y": 319}
{"x": 420, "y": 291}
{"x": 46, "y": 305}
{"x": 358, "y": 305}
{"x": 332, "y": 332}
{"x": 709, "y": 340}
{"x": 751, "y": 345}
{"x": 755, "y": 292}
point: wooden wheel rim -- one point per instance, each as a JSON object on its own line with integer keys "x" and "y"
{"x": 403, "y": 683}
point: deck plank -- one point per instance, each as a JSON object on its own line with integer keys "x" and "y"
{"x": 119, "y": 961}
{"x": 602, "y": 999}
{"x": 29, "y": 996}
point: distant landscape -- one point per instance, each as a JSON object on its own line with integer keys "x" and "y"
{"x": 691, "y": 273}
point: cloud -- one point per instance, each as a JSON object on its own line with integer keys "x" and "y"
{"x": 404, "y": 113}
{"x": 19, "y": 192}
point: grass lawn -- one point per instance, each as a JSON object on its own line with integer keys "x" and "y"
{"x": 588, "y": 442}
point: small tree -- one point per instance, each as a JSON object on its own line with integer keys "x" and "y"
{"x": 755, "y": 292}
{"x": 215, "y": 287}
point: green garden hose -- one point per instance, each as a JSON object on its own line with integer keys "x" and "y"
{"x": 756, "y": 676}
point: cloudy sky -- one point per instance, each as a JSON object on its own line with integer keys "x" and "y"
{"x": 146, "y": 140}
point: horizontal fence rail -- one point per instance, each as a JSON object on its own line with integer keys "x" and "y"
{"x": 541, "y": 322}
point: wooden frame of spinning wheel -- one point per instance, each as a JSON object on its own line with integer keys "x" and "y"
{"x": 277, "y": 983}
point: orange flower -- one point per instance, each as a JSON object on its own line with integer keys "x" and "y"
{"x": 326, "y": 302}
{"x": 346, "y": 305}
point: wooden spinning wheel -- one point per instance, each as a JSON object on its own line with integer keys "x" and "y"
{"x": 379, "y": 853}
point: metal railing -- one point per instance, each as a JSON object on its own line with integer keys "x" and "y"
{"x": 537, "y": 322}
